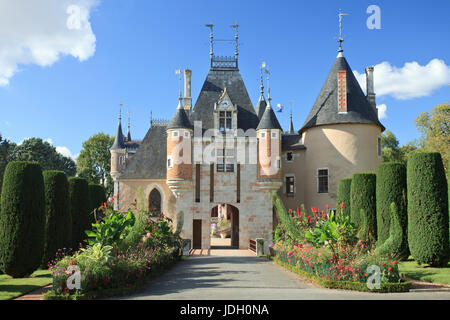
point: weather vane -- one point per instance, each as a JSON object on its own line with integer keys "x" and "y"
{"x": 341, "y": 39}
{"x": 178, "y": 71}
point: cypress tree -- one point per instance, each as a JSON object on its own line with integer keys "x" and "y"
{"x": 97, "y": 197}
{"x": 362, "y": 196}
{"x": 80, "y": 210}
{"x": 22, "y": 219}
{"x": 391, "y": 188}
{"x": 427, "y": 209}
{"x": 58, "y": 231}
{"x": 343, "y": 195}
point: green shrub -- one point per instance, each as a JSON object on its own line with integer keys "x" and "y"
{"x": 80, "y": 210}
{"x": 427, "y": 209}
{"x": 97, "y": 197}
{"x": 292, "y": 230}
{"x": 22, "y": 219}
{"x": 395, "y": 246}
{"x": 343, "y": 195}
{"x": 58, "y": 230}
{"x": 391, "y": 187}
{"x": 363, "y": 196}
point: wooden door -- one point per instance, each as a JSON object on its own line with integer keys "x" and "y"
{"x": 234, "y": 227}
{"x": 197, "y": 234}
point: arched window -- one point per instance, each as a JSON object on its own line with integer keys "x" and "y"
{"x": 154, "y": 201}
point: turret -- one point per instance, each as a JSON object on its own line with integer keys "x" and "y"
{"x": 268, "y": 133}
{"x": 118, "y": 159}
{"x": 179, "y": 151}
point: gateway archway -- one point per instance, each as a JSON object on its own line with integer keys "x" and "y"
{"x": 224, "y": 221}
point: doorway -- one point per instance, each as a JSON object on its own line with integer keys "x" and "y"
{"x": 224, "y": 227}
{"x": 197, "y": 234}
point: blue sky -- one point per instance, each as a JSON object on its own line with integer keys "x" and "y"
{"x": 67, "y": 87}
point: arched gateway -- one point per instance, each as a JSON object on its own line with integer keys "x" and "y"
{"x": 224, "y": 223}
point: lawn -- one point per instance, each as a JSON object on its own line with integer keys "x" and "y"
{"x": 412, "y": 270}
{"x": 13, "y": 288}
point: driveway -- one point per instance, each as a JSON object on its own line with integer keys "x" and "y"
{"x": 215, "y": 277}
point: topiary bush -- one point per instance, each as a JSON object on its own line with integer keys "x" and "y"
{"x": 427, "y": 209}
{"x": 97, "y": 197}
{"x": 391, "y": 188}
{"x": 395, "y": 246}
{"x": 363, "y": 196}
{"x": 58, "y": 230}
{"x": 343, "y": 195}
{"x": 22, "y": 219}
{"x": 80, "y": 210}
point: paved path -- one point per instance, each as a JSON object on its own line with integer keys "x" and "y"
{"x": 250, "y": 278}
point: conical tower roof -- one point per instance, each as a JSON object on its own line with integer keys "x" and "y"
{"x": 325, "y": 109}
{"x": 119, "y": 142}
{"x": 269, "y": 119}
{"x": 180, "y": 119}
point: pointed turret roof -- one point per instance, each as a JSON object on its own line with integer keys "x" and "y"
{"x": 261, "y": 106}
{"x": 291, "y": 125}
{"x": 180, "y": 119}
{"x": 269, "y": 119}
{"x": 325, "y": 109}
{"x": 119, "y": 142}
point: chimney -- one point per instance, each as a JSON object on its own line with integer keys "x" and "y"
{"x": 187, "y": 91}
{"x": 369, "y": 88}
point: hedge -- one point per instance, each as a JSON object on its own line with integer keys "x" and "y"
{"x": 391, "y": 188}
{"x": 97, "y": 197}
{"x": 22, "y": 219}
{"x": 343, "y": 195}
{"x": 427, "y": 209}
{"x": 80, "y": 210}
{"x": 58, "y": 231}
{"x": 363, "y": 197}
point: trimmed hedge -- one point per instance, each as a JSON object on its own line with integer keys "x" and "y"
{"x": 391, "y": 188}
{"x": 427, "y": 209}
{"x": 395, "y": 246}
{"x": 22, "y": 219}
{"x": 363, "y": 197}
{"x": 58, "y": 231}
{"x": 80, "y": 210}
{"x": 343, "y": 195}
{"x": 97, "y": 197}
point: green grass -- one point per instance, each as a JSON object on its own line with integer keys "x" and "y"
{"x": 12, "y": 288}
{"x": 425, "y": 273}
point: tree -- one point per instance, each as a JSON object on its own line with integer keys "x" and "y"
{"x": 390, "y": 148}
{"x": 37, "y": 150}
{"x": 22, "y": 219}
{"x": 435, "y": 128}
{"x": 6, "y": 148}
{"x": 343, "y": 195}
{"x": 427, "y": 209}
{"x": 80, "y": 210}
{"x": 94, "y": 161}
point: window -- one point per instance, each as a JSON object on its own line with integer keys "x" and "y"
{"x": 225, "y": 160}
{"x": 379, "y": 146}
{"x": 175, "y": 133}
{"x": 186, "y": 134}
{"x": 289, "y": 157}
{"x": 263, "y": 134}
{"x": 225, "y": 121}
{"x": 197, "y": 182}
{"x": 169, "y": 163}
{"x": 290, "y": 185}
{"x": 322, "y": 180}
{"x": 278, "y": 163}
{"x": 274, "y": 134}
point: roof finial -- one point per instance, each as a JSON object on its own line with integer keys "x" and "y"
{"x": 120, "y": 111}
{"x": 341, "y": 39}
{"x": 211, "y": 40}
{"x": 178, "y": 71}
{"x": 263, "y": 65}
{"x": 236, "y": 38}
{"x": 268, "y": 88}
{"x": 291, "y": 125}
{"x": 151, "y": 118}
{"x": 129, "y": 131}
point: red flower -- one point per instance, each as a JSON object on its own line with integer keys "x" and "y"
{"x": 342, "y": 205}
{"x": 390, "y": 269}
{"x": 395, "y": 261}
{"x": 327, "y": 206}
{"x": 105, "y": 204}
{"x": 117, "y": 195}
{"x": 325, "y": 216}
{"x": 308, "y": 220}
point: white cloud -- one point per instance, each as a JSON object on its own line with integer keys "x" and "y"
{"x": 382, "y": 111}
{"x": 408, "y": 82}
{"x": 40, "y": 32}
{"x": 65, "y": 152}
{"x": 49, "y": 140}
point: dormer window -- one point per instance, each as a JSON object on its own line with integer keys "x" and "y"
{"x": 225, "y": 118}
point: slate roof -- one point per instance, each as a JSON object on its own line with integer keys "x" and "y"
{"x": 325, "y": 109}
{"x": 180, "y": 119}
{"x": 291, "y": 142}
{"x": 149, "y": 162}
{"x": 269, "y": 119}
{"x": 260, "y": 106}
{"x": 119, "y": 142}
{"x": 216, "y": 81}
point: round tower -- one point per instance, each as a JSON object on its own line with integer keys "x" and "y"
{"x": 118, "y": 159}
{"x": 179, "y": 151}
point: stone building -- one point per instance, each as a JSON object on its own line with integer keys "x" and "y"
{"x": 222, "y": 156}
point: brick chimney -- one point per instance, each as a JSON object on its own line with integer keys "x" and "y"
{"x": 369, "y": 88}
{"x": 187, "y": 91}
